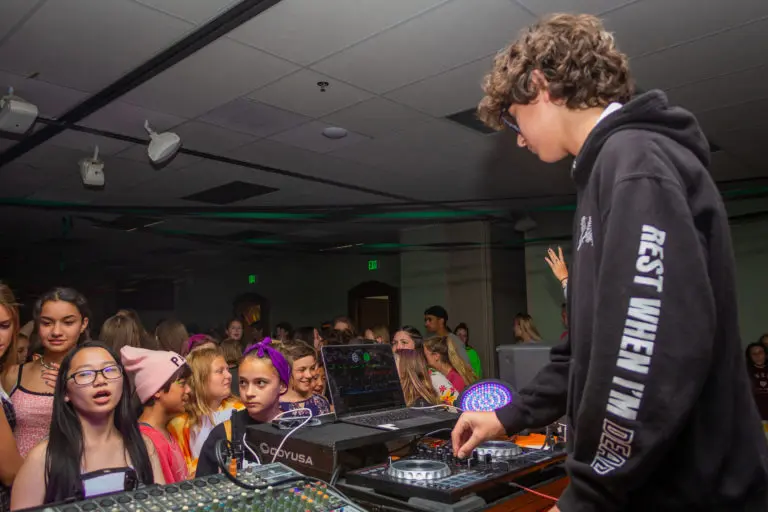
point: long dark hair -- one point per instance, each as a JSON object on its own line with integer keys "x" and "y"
{"x": 72, "y": 296}
{"x": 64, "y": 455}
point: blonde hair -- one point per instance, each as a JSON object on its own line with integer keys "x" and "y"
{"x": 381, "y": 331}
{"x": 232, "y": 351}
{"x": 200, "y": 362}
{"x": 414, "y": 377}
{"x": 527, "y": 327}
{"x": 121, "y": 331}
{"x": 8, "y": 301}
{"x": 443, "y": 347}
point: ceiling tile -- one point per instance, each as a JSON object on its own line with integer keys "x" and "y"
{"x": 209, "y": 138}
{"x": 741, "y": 86}
{"x": 305, "y": 31}
{"x": 85, "y": 143}
{"x": 300, "y": 93}
{"x": 86, "y": 44}
{"x": 195, "y": 11}
{"x": 19, "y": 179}
{"x": 748, "y": 115}
{"x": 542, "y": 7}
{"x": 726, "y": 52}
{"x": 127, "y": 119}
{"x": 14, "y": 12}
{"x": 51, "y": 100}
{"x": 254, "y": 118}
{"x": 6, "y": 143}
{"x": 427, "y": 45}
{"x": 309, "y": 136}
{"x": 446, "y": 93}
{"x": 651, "y": 25}
{"x": 376, "y": 117}
{"x": 138, "y": 153}
{"x": 215, "y": 75}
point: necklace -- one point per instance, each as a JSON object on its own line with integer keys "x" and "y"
{"x": 46, "y": 365}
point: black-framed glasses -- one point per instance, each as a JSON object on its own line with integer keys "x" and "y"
{"x": 507, "y": 119}
{"x": 85, "y": 377}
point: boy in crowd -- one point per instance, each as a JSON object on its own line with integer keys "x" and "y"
{"x": 651, "y": 377}
{"x": 160, "y": 379}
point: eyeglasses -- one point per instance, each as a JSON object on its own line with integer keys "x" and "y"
{"x": 507, "y": 119}
{"x": 86, "y": 377}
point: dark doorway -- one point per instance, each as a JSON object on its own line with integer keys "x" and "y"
{"x": 252, "y": 308}
{"x": 374, "y": 303}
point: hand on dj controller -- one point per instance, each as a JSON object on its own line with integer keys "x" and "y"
{"x": 472, "y": 429}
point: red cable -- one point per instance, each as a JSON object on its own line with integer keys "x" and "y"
{"x": 537, "y": 493}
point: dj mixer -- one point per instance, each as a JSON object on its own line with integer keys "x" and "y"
{"x": 433, "y": 472}
{"x": 278, "y": 489}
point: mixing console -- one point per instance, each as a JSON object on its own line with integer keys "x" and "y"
{"x": 279, "y": 489}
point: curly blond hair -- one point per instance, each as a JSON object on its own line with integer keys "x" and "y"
{"x": 577, "y": 56}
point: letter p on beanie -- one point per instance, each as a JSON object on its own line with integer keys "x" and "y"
{"x": 151, "y": 369}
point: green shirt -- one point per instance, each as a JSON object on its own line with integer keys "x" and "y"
{"x": 474, "y": 360}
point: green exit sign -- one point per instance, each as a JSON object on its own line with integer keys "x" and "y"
{"x": 373, "y": 264}
{"x": 253, "y": 279}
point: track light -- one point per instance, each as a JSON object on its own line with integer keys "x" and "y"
{"x": 16, "y": 115}
{"x": 92, "y": 171}
{"x": 162, "y": 146}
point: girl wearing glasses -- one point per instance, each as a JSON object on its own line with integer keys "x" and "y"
{"x": 210, "y": 403}
{"x": 94, "y": 428}
{"x": 61, "y": 320}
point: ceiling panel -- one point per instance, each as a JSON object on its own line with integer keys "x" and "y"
{"x": 650, "y": 25}
{"x": 748, "y": 115}
{"x": 220, "y": 72}
{"x": 309, "y": 136}
{"x": 51, "y": 100}
{"x": 207, "y": 137}
{"x": 305, "y": 31}
{"x": 741, "y": 86}
{"x": 726, "y": 52}
{"x": 14, "y": 12}
{"x": 427, "y": 45}
{"x": 300, "y": 93}
{"x": 542, "y": 7}
{"x": 254, "y": 118}
{"x": 85, "y": 144}
{"x": 447, "y": 93}
{"x": 376, "y": 117}
{"x": 20, "y": 180}
{"x": 195, "y": 11}
{"x": 127, "y": 119}
{"x": 86, "y": 44}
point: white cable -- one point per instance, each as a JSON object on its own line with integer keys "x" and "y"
{"x": 280, "y": 447}
{"x": 444, "y": 406}
{"x": 245, "y": 443}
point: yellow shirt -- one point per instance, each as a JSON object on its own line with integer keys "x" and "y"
{"x": 192, "y": 437}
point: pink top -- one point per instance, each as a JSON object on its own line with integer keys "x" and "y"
{"x": 168, "y": 450}
{"x": 456, "y": 381}
{"x": 33, "y": 416}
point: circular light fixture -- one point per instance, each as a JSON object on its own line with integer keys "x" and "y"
{"x": 485, "y": 395}
{"x": 335, "y": 132}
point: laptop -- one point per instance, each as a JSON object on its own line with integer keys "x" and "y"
{"x": 365, "y": 389}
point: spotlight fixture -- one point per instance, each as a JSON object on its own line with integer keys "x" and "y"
{"x": 334, "y": 132}
{"x": 16, "y": 115}
{"x": 92, "y": 171}
{"x": 162, "y": 146}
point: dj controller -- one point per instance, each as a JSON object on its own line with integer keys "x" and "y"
{"x": 433, "y": 473}
{"x": 278, "y": 488}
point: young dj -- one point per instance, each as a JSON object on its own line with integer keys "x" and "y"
{"x": 652, "y": 377}
{"x": 264, "y": 376}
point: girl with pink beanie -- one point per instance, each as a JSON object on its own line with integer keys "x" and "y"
{"x": 160, "y": 379}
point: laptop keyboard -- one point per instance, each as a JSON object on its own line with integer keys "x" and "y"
{"x": 386, "y": 418}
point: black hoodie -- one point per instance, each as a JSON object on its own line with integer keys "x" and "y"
{"x": 652, "y": 378}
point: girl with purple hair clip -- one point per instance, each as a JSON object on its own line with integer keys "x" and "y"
{"x": 264, "y": 375}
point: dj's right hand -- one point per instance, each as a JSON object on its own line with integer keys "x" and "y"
{"x": 472, "y": 429}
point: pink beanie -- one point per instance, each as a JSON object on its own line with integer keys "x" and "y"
{"x": 151, "y": 368}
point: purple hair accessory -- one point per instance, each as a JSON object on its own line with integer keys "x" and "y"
{"x": 195, "y": 340}
{"x": 264, "y": 348}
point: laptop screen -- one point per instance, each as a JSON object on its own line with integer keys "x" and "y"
{"x": 362, "y": 378}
